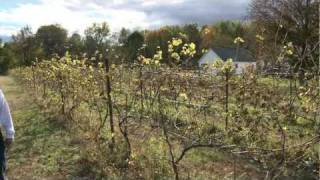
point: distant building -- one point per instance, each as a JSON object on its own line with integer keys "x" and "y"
{"x": 241, "y": 59}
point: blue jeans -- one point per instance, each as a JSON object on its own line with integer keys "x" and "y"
{"x": 2, "y": 159}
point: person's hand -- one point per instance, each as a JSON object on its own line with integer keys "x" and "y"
{"x": 8, "y": 142}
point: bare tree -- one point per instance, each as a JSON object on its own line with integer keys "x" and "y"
{"x": 295, "y": 21}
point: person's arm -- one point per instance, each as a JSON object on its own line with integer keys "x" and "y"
{"x": 6, "y": 119}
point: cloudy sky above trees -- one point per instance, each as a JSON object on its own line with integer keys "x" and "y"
{"x": 76, "y": 15}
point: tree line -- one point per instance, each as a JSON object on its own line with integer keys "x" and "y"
{"x": 53, "y": 40}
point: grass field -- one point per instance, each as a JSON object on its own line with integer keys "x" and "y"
{"x": 45, "y": 148}
{"x": 42, "y": 150}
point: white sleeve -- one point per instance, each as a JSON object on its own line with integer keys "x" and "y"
{"x": 5, "y": 117}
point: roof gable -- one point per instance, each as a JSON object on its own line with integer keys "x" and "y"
{"x": 209, "y": 57}
{"x": 226, "y": 53}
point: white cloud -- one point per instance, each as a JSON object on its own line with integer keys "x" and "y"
{"x": 73, "y": 15}
{"x": 76, "y": 15}
{"x": 8, "y": 30}
{"x": 156, "y": 2}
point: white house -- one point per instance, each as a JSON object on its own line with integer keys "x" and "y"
{"x": 241, "y": 59}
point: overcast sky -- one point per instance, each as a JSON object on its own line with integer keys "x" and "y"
{"x": 76, "y": 15}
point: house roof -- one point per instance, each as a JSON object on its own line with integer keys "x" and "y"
{"x": 243, "y": 54}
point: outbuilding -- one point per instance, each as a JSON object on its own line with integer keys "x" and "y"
{"x": 242, "y": 58}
